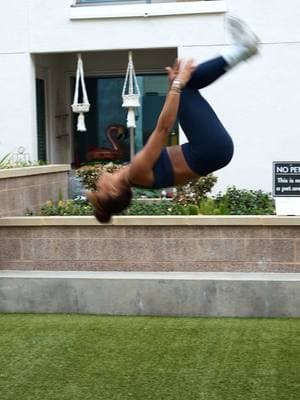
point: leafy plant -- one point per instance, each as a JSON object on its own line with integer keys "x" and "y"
{"x": 66, "y": 207}
{"x": 60, "y": 195}
{"x": 209, "y": 206}
{"x": 4, "y": 162}
{"x": 89, "y": 174}
{"x": 238, "y": 202}
{"x": 7, "y": 162}
{"x": 163, "y": 207}
{"x": 233, "y": 202}
{"x": 189, "y": 209}
{"x": 248, "y": 202}
{"x": 145, "y": 192}
{"x": 194, "y": 191}
{"x": 82, "y": 207}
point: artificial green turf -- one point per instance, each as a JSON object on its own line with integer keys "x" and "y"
{"x": 49, "y": 357}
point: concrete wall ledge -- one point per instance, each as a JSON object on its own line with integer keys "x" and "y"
{"x": 35, "y": 170}
{"x": 204, "y": 220}
{"x": 137, "y": 293}
{"x": 186, "y": 276}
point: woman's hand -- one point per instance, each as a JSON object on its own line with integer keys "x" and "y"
{"x": 181, "y": 70}
{"x": 173, "y": 71}
{"x": 185, "y": 70}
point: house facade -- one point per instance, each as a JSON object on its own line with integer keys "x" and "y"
{"x": 258, "y": 102}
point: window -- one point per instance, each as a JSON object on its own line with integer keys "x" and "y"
{"x": 106, "y": 112}
{"x": 91, "y": 9}
{"x": 119, "y": 1}
{"x": 99, "y": 2}
{"x": 41, "y": 120}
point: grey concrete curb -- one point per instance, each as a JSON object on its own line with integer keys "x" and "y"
{"x": 152, "y": 293}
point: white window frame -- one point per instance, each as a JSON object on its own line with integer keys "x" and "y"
{"x": 90, "y": 11}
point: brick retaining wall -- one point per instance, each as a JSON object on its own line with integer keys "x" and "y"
{"x": 244, "y": 244}
{"x": 28, "y": 188}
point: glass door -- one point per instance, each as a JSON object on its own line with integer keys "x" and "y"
{"x": 107, "y": 138}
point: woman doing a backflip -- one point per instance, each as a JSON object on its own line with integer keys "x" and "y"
{"x": 209, "y": 146}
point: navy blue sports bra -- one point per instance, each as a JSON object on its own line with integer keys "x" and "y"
{"x": 163, "y": 171}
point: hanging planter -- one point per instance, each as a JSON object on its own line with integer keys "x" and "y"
{"x": 131, "y": 92}
{"x": 84, "y": 107}
{"x": 131, "y": 100}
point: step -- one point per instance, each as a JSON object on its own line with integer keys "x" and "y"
{"x": 232, "y": 294}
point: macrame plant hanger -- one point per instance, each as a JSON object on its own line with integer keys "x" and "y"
{"x": 131, "y": 100}
{"x": 83, "y": 107}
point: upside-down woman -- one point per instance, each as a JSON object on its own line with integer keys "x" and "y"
{"x": 209, "y": 145}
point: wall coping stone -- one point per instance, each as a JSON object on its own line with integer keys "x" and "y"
{"x": 36, "y": 170}
{"x": 170, "y": 220}
{"x": 186, "y": 276}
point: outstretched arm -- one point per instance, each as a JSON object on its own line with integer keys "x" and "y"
{"x": 166, "y": 120}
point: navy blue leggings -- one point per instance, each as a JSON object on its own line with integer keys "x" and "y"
{"x": 209, "y": 145}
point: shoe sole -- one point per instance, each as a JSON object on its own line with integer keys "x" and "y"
{"x": 240, "y": 30}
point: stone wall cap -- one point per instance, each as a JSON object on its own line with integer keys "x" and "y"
{"x": 204, "y": 220}
{"x": 218, "y": 276}
{"x": 35, "y": 170}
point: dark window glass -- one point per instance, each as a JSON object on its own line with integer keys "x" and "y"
{"x": 107, "y": 136}
{"x": 41, "y": 120}
{"x": 113, "y": 1}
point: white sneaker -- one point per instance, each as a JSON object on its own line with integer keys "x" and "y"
{"x": 242, "y": 35}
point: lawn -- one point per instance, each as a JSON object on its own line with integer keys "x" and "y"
{"x": 49, "y": 357}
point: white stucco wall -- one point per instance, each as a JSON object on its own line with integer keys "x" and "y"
{"x": 61, "y": 34}
{"x": 258, "y": 102}
{"x": 17, "y": 120}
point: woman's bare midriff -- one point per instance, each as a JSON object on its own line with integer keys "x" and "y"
{"x": 145, "y": 177}
{"x": 182, "y": 171}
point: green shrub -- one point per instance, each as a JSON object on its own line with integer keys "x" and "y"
{"x": 194, "y": 191}
{"x": 66, "y": 207}
{"x": 233, "y": 202}
{"x": 189, "y": 209}
{"x": 89, "y": 174}
{"x": 248, "y": 202}
{"x": 209, "y": 206}
{"x": 164, "y": 207}
{"x": 145, "y": 192}
{"x": 238, "y": 202}
{"x": 82, "y": 207}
